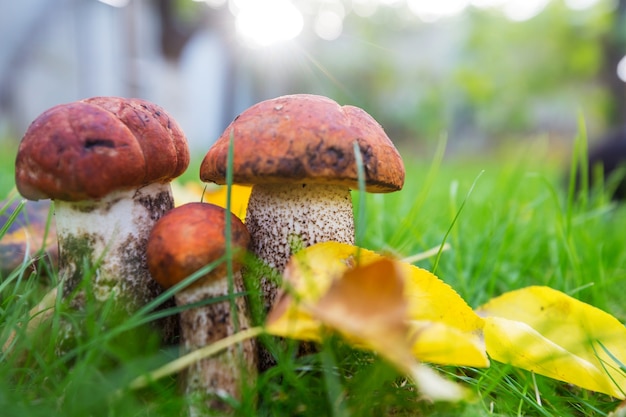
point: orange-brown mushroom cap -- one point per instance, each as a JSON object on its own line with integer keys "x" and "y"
{"x": 190, "y": 237}
{"x": 89, "y": 148}
{"x": 309, "y": 138}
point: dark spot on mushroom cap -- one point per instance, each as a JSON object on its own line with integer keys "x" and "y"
{"x": 94, "y": 143}
{"x": 321, "y": 157}
{"x": 294, "y": 167}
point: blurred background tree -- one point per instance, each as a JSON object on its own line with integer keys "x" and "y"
{"x": 481, "y": 72}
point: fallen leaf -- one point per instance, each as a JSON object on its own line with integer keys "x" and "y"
{"x": 447, "y": 331}
{"x": 550, "y": 333}
{"x": 432, "y": 386}
{"x": 367, "y": 306}
{"x": 188, "y": 192}
{"x": 240, "y": 194}
{"x": 29, "y": 234}
{"x": 214, "y": 194}
{"x": 307, "y": 276}
{"x": 447, "y": 345}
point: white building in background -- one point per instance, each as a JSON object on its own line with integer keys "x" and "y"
{"x": 58, "y": 51}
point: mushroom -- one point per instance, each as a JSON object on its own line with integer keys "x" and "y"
{"x": 107, "y": 163}
{"x": 298, "y": 153}
{"x": 183, "y": 241}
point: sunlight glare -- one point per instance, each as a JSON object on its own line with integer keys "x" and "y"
{"x": 115, "y": 3}
{"x": 328, "y": 25}
{"x": 432, "y": 10}
{"x": 364, "y": 8}
{"x": 391, "y": 3}
{"x": 580, "y": 4}
{"x": 521, "y": 10}
{"x": 265, "y": 22}
{"x": 486, "y": 4}
{"x": 329, "y": 20}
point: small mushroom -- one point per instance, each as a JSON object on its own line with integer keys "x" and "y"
{"x": 183, "y": 241}
{"x": 107, "y": 163}
{"x": 298, "y": 153}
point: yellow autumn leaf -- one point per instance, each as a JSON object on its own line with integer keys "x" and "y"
{"x": 447, "y": 345}
{"x": 372, "y": 312}
{"x": 214, "y": 194}
{"x": 188, "y": 192}
{"x": 439, "y": 321}
{"x": 367, "y": 310}
{"x": 240, "y": 194}
{"x": 550, "y": 333}
{"x": 29, "y": 234}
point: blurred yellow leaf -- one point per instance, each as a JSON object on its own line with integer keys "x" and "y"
{"x": 372, "y": 313}
{"x": 369, "y": 310}
{"x": 447, "y": 345}
{"x": 240, "y": 194}
{"x": 548, "y": 332}
{"x": 367, "y": 306}
{"x": 29, "y": 234}
{"x": 214, "y": 194}
{"x": 441, "y": 326}
{"x": 188, "y": 192}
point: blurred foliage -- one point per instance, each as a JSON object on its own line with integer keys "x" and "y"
{"x": 508, "y": 66}
{"x": 7, "y": 162}
{"x": 474, "y": 76}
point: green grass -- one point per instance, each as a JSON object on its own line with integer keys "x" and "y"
{"x": 510, "y": 222}
{"x": 7, "y": 165}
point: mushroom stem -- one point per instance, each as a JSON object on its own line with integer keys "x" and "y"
{"x": 182, "y": 242}
{"x": 283, "y": 218}
{"x": 111, "y": 234}
{"x": 210, "y": 380}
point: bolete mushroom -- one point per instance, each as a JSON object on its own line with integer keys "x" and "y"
{"x": 298, "y": 153}
{"x": 107, "y": 163}
{"x": 183, "y": 241}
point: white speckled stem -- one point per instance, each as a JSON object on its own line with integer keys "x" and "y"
{"x": 224, "y": 374}
{"x": 282, "y": 218}
{"x": 111, "y": 233}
